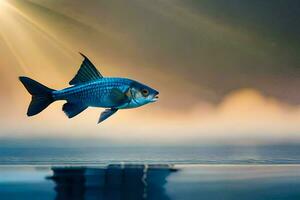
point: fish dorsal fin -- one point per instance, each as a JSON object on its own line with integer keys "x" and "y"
{"x": 87, "y": 72}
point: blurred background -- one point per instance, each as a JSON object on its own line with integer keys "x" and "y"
{"x": 228, "y": 72}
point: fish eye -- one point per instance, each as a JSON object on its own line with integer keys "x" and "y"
{"x": 145, "y": 92}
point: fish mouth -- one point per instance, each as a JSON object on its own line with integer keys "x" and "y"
{"x": 155, "y": 98}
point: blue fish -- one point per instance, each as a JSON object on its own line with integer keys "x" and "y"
{"x": 90, "y": 89}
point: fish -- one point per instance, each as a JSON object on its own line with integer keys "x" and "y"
{"x": 89, "y": 88}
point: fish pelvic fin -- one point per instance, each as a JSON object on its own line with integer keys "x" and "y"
{"x": 106, "y": 114}
{"x": 41, "y": 95}
{"x": 72, "y": 109}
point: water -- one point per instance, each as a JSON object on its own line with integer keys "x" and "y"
{"x": 281, "y": 154}
{"x": 137, "y": 182}
{"x": 152, "y": 172}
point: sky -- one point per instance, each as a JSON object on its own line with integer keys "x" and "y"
{"x": 227, "y": 71}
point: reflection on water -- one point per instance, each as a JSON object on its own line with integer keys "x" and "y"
{"x": 152, "y": 182}
{"x": 112, "y": 183}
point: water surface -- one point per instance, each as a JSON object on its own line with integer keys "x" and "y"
{"x": 50, "y": 155}
{"x": 153, "y": 182}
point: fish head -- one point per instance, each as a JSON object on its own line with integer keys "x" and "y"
{"x": 142, "y": 94}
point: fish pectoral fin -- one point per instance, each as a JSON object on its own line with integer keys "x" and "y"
{"x": 72, "y": 109}
{"x": 106, "y": 114}
{"x": 87, "y": 72}
{"x": 118, "y": 97}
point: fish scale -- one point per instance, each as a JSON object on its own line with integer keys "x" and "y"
{"x": 93, "y": 93}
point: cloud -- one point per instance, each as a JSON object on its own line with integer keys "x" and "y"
{"x": 243, "y": 117}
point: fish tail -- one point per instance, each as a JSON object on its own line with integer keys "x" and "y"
{"x": 41, "y": 95}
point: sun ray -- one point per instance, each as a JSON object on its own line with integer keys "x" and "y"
{"x": 4, "y": 20}
{"x": 25, "y": 37}
{"x": 44, "y": 32}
